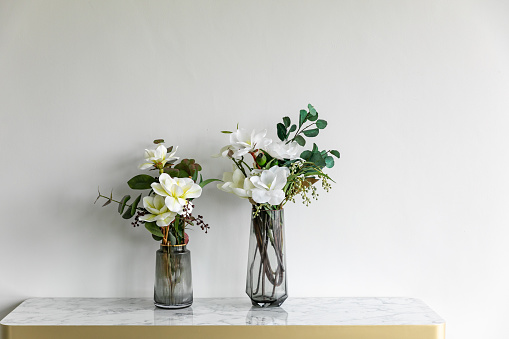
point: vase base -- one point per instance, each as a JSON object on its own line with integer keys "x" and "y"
{"x": 269, "y": 302}
{"x": 173, "y": 307}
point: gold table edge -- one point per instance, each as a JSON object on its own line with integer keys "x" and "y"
{"x": 430, "y": 331}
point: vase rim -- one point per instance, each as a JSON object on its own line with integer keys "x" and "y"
{"x": 271, "y": 209}
{"x": 170, "y": 245}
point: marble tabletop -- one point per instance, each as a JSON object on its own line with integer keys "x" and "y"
{"x": 221, "y": 311}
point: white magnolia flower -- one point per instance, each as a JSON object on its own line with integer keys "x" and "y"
{"x": 242, "y": 142}
{"x": 158, "y": 211}
{"x": 269, "y": 185}
{"x": 158, "y": 157}
{"x": 280, "y": 150}
{"x": 176, "y": 192}
{"x": 235, "y": 182}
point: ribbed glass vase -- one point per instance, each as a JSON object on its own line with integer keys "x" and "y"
{"x": 173, "y": 286}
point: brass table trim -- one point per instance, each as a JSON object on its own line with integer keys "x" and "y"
{"x": 228, "y": 332}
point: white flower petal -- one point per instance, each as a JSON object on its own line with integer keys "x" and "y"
{"x": 146, "y": 165}
{"x": 226, "y": 187}
{"x": 158, "y": 189}
{"x": 148, "y": 202}
{"x": 276, "y": 197}
{"x": 163, "y": 222}
{"x": 173, "y": 204}
{"x": 166, "y": 218}
{"x": 259, "y": 195}
{"x": 247, "y": 184}
{"x": 149, "y": 154}
{"x": 227, "y": 176}
{"x": 160, "y": 152}
{"x": 176, "y": 191}
{"x": 193, "y": 192}
{"x": 241, "y": 192}
{"x": 158, "y": 202}
{"x": 267, "y": 178}
{"x": 258, "y": 183}
{"x": 279, "y": 182}
{"x": 148, "y": 217}
{"x": 238, "y": 177}
{"x": 152, "y": 210}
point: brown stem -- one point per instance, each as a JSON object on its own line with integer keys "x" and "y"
{"x": 274, "y": 277}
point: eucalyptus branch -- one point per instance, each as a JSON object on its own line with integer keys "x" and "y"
{"x": 105, "y": 197}
{"x": 300, "y": 131}
{"x": 113, "y": 200}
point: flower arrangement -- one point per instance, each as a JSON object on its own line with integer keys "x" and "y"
{"x": 269, "y": 174}
{"x": 280, "y": 170}
{"x": 167, "y": 207}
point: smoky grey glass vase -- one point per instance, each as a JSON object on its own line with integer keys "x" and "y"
{"x": 173, "y": 286}
{"x": 266, "y": 268}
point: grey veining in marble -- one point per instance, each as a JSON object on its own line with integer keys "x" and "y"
{"x": 222, "y": 311}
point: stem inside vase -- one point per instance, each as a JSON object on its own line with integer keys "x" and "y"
{"x": 266, "y": 276}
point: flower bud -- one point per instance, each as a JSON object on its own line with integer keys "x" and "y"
{"x": 261, "y": 159}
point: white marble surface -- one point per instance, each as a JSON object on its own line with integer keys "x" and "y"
{"x": 222, "y": 311}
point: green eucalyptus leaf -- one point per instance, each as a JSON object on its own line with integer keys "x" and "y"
{"x": 300, "y": 140}
{"x": 287, "y": 121}
{"x": 135, "y": 205}
{"x": 302, "y": 116}
{"x": 321, "y": 124}
{"x": 281, "y": 131}
{"x": 315, "y": 148}
{"x": 312, "y": 110}
{"x": 329, "y": 161}
{"x": 154, "y": 229}
{"x": 293, "y": 128}
{"x": 173, "y": 240}
{"x": 311, "y": 132}
{"x": 306, "y": 155}
{"x": 317, "y": 159}
{"x": 109, "y": 199}
{"x": 335, "y": 153}
{"x": 141, "y": 182}
{"x": 123, "y": 202}
{"x": 156, "y": 238}
{"x": 127, "y": 214}
{"x": 312, "y": 117}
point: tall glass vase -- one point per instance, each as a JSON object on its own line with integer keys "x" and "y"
{"x": 266, "y": 267}
{"x": 173, "y": 287}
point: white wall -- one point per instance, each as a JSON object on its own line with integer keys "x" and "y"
{"x": 415, "y": 92}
